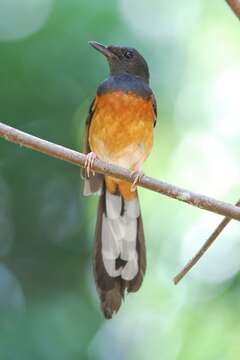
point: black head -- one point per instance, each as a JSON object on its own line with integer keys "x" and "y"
{"x": 123, "y": 60}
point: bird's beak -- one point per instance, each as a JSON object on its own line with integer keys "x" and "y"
{"x": 101, "y": 48}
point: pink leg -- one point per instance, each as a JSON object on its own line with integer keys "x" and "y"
{"x": 137, "y": 175}
{"x": 90, "y": 157}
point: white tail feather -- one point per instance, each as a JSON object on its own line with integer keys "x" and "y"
{"x": 119, "y": 236}
{"x": 110, "y": 266}
{"x": 113, "y": 205}
{"x": 132, "y": 208}
{"x": 110, "y": 237}
{"x": 130, "y": 270}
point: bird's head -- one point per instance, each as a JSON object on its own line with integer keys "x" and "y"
{"x": 123, "y": 60}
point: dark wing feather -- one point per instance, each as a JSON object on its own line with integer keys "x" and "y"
{"x": 154, "y": 108}
{"x": 86, "y": 146}
{"x": 93, "y": 184}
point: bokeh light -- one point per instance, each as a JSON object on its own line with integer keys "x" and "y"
{"x": 157, "y": 21}
{"x": 224, "y": 100}
{"x": 12, "y": 299}
{"x": 200, "y": 160}
{"x": 19, "y": 19}
{"x": 222, "y": 260}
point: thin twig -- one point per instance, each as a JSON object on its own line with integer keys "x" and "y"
{"x": 76, "y": 158}
{"x": 235, "y": 5}
{"x": 203, "y": 248}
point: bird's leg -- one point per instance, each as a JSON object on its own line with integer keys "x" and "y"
{"x": 137, "y": 175}
{"x": 90, "y": 158}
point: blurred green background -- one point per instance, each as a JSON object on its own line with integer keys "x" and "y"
{"x": 49, "y": 308}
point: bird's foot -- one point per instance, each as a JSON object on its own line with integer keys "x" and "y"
{"x": 90, "y": 158}
{"x": 137, "y": 176}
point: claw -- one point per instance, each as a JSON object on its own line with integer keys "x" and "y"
{"x": 90, "y": 158}
{"x": 137, "y": 176}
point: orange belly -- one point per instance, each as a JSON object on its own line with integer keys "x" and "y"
{"x": 121, "y": 129}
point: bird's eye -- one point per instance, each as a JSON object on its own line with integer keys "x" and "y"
{"x": 128, "y": 54}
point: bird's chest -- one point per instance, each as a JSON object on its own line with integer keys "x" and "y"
{"x": 121, "y": 129}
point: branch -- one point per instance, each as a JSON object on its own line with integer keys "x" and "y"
{"x": 235, "y": 5}
{"x": 203, "y": 248}
{"x": 76, "y": 158}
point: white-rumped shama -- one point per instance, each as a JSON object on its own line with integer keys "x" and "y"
{"x": 119, "y": 130}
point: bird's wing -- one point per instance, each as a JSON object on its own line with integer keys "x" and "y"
{"x": 93, "y": 184}
{"x": 86, "y": 146}
{"x": 154, "y": 102}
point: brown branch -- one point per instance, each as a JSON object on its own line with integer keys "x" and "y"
{"x": 203, "y": 248}
{"x": 76, "y": 158}
{"x": 235, "y": 5}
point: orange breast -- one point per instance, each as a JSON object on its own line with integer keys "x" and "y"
{"x": 121, "y": 129}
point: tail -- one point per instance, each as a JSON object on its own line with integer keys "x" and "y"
{"x": 119, "y": 252}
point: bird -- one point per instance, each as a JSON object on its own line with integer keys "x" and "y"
{"x": 119, "y": 129}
